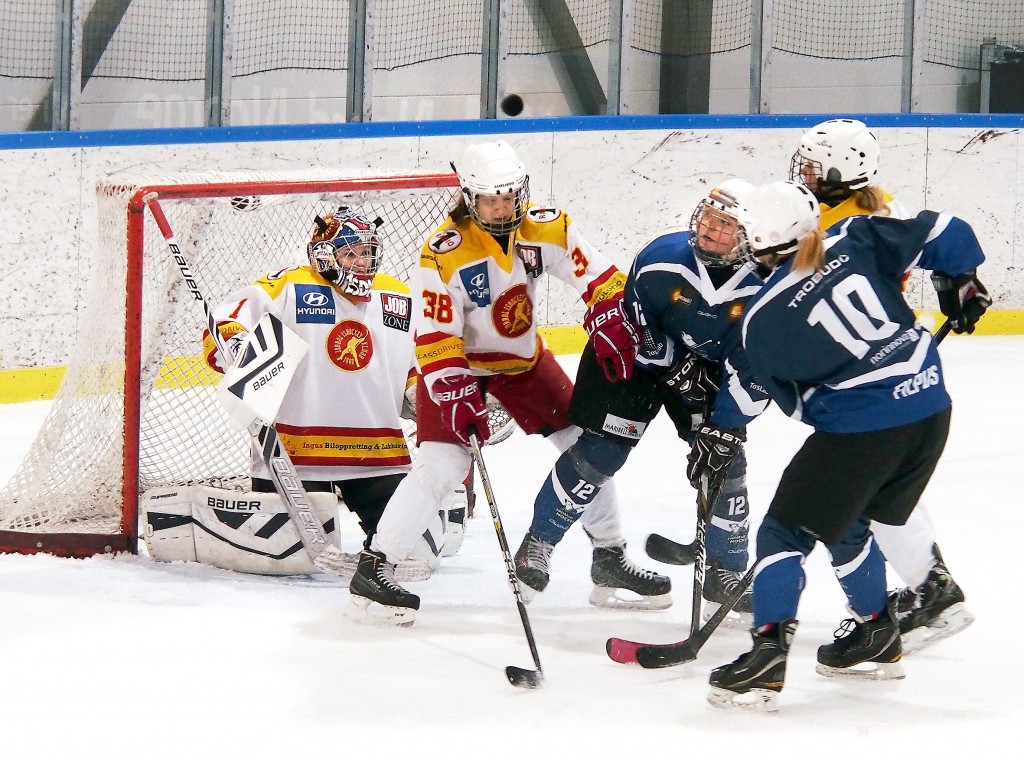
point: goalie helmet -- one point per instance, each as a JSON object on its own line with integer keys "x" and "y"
{"x": 713, "y": 227}
{"x": 835, "y": 158}
{"x": 773, "y": 218}
{"x": 495, "y": 186}
{"x": 345, "y": 249}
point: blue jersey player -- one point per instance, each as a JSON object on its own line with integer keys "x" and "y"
{"x": 685, "y": 294}
{"x": 836, "y": 345}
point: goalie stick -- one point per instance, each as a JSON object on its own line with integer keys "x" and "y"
{"x": 521, "y": 677}
{"x": 323, "y": 555}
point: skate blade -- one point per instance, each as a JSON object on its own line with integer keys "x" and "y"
{"x": 736, "y": 621}
{"x": 370, "y": 612}
{"x": 864, "y": 671}
{"x": 950, "y": 622}
{"x": 756, "y": 700}
{"x": 613, "y": 598}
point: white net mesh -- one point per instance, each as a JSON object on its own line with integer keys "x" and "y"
{"x": 71, "y": 480}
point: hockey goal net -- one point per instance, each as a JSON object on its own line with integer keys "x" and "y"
{"x": 137, "y": 407}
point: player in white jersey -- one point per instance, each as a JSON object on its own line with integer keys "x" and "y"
{"x": 340, "y": 420}
{"x": 838, "y": 160}
{"x": 476, "y": 334}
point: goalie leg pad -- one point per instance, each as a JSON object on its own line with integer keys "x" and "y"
{"x": 242, "y": 531}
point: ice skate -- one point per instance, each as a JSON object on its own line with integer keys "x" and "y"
{"x": 533, "y": 561}
{"x": 613, "y": 572}
{"x": 868, "y": 649}
{"x": 719, "y": 585}
{"x": 375, "y": 595}
{"x": 933, "y": 611}
{"x": 753, "y": 680}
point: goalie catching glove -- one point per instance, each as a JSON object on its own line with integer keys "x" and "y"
{"x": 712, "y": 453}
{"x": 963, "y": 299}
{"x": 691, "y": 378}
{"x": 462, "y": 407}
{"x": 614, "y": 338}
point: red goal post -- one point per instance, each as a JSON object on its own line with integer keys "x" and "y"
{"x": 136, "y": 408}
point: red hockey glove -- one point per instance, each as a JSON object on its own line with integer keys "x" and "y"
{"x": 712, "y": 453}
{"x": 614, "y": 337}
{"x": 462, "y": 407}
{"x": 963, "y": 299}
{"x": 693, "y": 378}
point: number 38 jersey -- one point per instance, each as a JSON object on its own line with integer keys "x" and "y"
{"x": 476, "y": 300}
{"x": 341, "y": 415}
{"x": 839, "y": 348}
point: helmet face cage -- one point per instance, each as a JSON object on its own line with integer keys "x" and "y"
{"x": 715, "y": 234}
{"x": 495, "y": 186}
{"x": 520, "y": 201}
{"x": 835, "y": 158}
{"x": 346, "y": 251}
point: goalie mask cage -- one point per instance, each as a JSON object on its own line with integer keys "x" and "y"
{"x": 137, "y": 406}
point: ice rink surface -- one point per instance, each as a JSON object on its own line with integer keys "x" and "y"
{"x": 126, "y": 658}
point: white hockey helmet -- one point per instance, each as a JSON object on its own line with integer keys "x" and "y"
{"x": 494, "y": 169}
{"x": 773, "y": 218}
{"x": 835, "y": 158}
{"x": 713, "y": 228}
{"x": 346, "y": 250}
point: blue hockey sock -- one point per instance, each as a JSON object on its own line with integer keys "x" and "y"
{"x": 561, "y": 500}
{"x": 860, "y": 568}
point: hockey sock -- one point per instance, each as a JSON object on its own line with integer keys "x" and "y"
{"x": 562, "y": 499}
{"x": 728, "y": 531}
{"x": 781, "y": 549}
{"x": 860, "y": 568}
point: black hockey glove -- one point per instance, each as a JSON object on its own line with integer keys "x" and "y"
{"x": 963, "y": 299}
{"x": 693, "y": 379}
{"x": 712, "y": 453}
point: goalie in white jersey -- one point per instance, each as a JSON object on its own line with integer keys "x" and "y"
{"x": 476, "y": 334}
{"x": 340, "y": 420}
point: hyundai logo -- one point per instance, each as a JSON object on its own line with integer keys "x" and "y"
{"x": 314, "y": 299}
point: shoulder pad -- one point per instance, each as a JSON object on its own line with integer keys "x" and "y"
{"x": 383, "y": 281}
{"x": 273, "y": 282}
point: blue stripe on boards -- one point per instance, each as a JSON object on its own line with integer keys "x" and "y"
{"x": 274, "y": 133}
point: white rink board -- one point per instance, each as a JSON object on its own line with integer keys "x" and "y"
{"x": 621, "y": 187}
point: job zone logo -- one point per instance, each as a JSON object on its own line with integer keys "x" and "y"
{"x": 397, "y": 311}
{"x": 314, "y": 304}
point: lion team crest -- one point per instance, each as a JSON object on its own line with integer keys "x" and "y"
{"x": 350, "y": 346}
{"x": 512, "y": 312}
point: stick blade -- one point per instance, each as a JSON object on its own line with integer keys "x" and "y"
{"x": 666, "y": 655}
{"x": 522, "y": 678}
{"x": 622, "y": 651}
{"x": 670, "y": 552}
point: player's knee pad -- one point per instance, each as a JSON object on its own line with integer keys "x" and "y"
{"x": 440, "y": 468}
{"x": 776, "y": 537}
{"x": 598, "y": 457}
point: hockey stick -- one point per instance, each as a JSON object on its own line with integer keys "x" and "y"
{"x": 521, "y": 677}
{"x": 323, "y": 555}
{"x": 666, "y": 655}
{"x": 663, "y": 549}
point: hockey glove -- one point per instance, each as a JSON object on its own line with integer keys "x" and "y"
{"x": 712, "y": 453}
{"x": 963, "y": 299}
{"x": 692, "y": 378}
{"x": 614, "y": 337}
{"x": 462, "y": 407}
